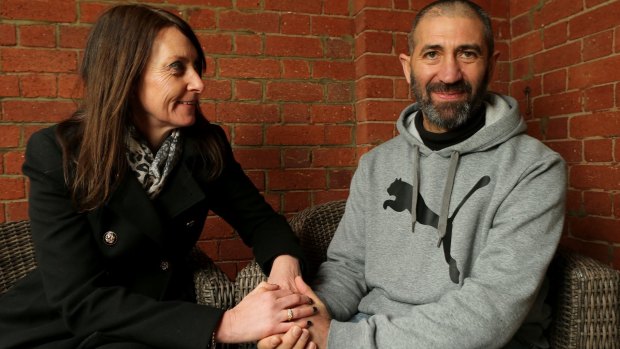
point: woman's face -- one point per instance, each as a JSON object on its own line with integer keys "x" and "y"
{"x": 169, "y": 87}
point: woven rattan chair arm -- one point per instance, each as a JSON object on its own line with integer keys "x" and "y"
{"x": 586, "y": 303}
{"x": 213, "y": 287}
{"x": 16, "y": 253}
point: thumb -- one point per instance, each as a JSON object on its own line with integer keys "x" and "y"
{"x": 302, "y": 287}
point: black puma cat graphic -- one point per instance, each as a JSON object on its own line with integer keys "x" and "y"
{"x": 403, "y": 191}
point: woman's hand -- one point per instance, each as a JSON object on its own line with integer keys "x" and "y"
{"x": 267, "y": 310}
{"x": 284, "y": 270}
{"x": 295, "y": 338}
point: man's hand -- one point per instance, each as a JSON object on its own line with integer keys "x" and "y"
{"x": 284, "y": 270}
{"x": 295, "y": 338}
{"x": 319, "y": 330}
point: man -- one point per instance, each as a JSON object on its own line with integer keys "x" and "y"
{"x": 450, "y": 226}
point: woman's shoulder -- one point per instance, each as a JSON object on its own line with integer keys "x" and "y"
{"x": 43, "y": 149}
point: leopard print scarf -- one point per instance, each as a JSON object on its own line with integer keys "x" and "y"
{"x": 151, "y": 169}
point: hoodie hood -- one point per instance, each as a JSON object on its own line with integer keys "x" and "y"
{"x": 502, "y": 123}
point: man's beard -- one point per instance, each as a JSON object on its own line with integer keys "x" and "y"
{"x": 449, "y": 115}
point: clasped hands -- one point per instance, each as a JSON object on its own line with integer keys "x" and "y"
{"x": 309, "y": 331}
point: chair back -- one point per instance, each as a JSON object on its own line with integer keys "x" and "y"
{"x": 16, "y": 253}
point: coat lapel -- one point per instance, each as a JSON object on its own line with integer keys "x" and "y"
{"x": 180, "y": 192}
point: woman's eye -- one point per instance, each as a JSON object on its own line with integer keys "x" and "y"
{"x": 177, "y": 67}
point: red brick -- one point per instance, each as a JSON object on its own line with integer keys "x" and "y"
{"x": 209, "y": 3}
{"x": 209, "y": 248}
{"x": 527, "y": 45}
{"x": 9, "y": 86}
{"x": 617, "y": 205}
{"x": 518, "y": 7}
{"x": 521, "y": 25}
{"x": 553, "y": 11}
{"x": 258, "y": 178}
{"x": 234, "y": 250}
{"x": 597, "y": 203}
{"x": 592, "y": 3}
{"x": 556, "y": 34}
{"x": 295, "y": 134}
{"x": 598, "y": 150}
{"x": 258, "y": 158}
{"x": 292, "y": 112}
{"x": 381, "y": 65}
{"x": 401, "y": 89}
{"x": 338, "y": 135}
{"x": 246, "y": 112}
{"x": 376, "y": 110}
{"x": 340, "y": 179}
{"x": 322, "y": 113}
{"x": 69, "y": 86}
{"x": 598, "y": 45}
{"x": 595, "y": 177}
{"x": 17, "y": 211}
{"x": 248, "y": 4}
{"x": 217, "y": 89}
{"x": 330, "y": 195}
{"x": 297, "y": 158}
{"x": 333, "y": 157}
{"x": 248, "y": 90}
{"x": 295, "y": 23}
{"x": 340, "y": 92}
{"x": 13, "y": 161}
{"x": 401, "y": 44}
{"x": 574, "y": 203}
{"x": 375, "y": 42}
{"x": 62, "y": 11}
{"x": 296, "y": 201}
{"x": 229, "y": 268}
{"x": 338, "y": 48}
{"x": 263, "y": 22}
{"x": 295, "y": 69}
{"x": 359, "y": 5}
{"x": 556, "y": 128}
{"x": 332, "y": 26}
{"x": 28, "y": 131}
{"x": 375, "y": 19}
{"x": 72, "y": 36}
{"x": 336, "y": 8}
{"x": 594, "y": 73}
{"x": 593, "y": 249}
{"x": 594, "y": 21}
{"x": 37, "y": 35}
{"x": 249, "y": 45}
{"x": 12, "y": 188}
{"x": 216, "y": 43}
{"x": 297, "y": 179}
{"x": 249, "y": 68}
{"x": 617, "y": 35}
{"x": 595, "y": 228}
{"x": 558, "y": 57}
{"x": 554, "y": 82}
{"x": 216, "y": 228}
{"x": 595, "y": 125}
{"x": 248, "y": 135}
{"x": 557, "y": 104}
{"x": 39, "y": 111}
{"x": 287, "y": 46}
{"x": 616, "y": 258}
{"x": 40, "y": 85}
{"x": 294, "y": 6}
{"x": 8, "y": 36}
{"x": 294, "y": 91}
{"x": 202, "y": 19}
{"x": 38, "y": 60}
{"x": 374, "y": 87}
{"x": 89, "y": 12}
{"x": 333, "y": 70}
{"x": 375, "y": 133}
{"x": 600, "y": 97}
{"x": 523, "y": 68}
{"x": 2, "y": 215}
{"x": 9, "y": 136}
{"x": 571, "y": 151}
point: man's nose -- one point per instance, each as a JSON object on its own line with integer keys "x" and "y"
{"x": 450, "y": 71}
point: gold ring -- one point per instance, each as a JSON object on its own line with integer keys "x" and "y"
{"x": 289, "y": 314}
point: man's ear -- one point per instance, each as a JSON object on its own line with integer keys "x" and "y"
{"x": 406, "y": 62}
{"x": 493, "y": 63}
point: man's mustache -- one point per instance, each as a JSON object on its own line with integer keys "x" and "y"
{"x": 459, "y": 86}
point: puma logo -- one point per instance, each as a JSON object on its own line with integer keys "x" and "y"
{"x": 402, "y": 191}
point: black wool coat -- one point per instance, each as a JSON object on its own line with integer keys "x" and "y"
{"x": 121, "y": 272}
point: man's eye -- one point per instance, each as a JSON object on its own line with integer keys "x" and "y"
{"x": 430, "y": 55}
{"x": 469, "y": 54}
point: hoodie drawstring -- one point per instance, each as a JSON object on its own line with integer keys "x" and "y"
{"x": 445, "y": 200}
{"x": 415, "y": 182}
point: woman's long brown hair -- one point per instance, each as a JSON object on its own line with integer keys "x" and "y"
{"x": 93, "y": 138}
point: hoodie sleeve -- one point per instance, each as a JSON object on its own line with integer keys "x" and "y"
{"x": 495, "y": 297}
{"x": 340, "y": 280}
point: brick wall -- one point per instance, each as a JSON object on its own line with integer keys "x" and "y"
{"x": 303, "y": 88}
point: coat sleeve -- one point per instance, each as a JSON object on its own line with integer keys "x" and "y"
{"x": 74, "y": 276}
{"x": 240, "y": 203}
{"x": 494, "y": 299}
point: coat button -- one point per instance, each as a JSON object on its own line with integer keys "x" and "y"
{"x": 190, "y": 223}
{"x": 164, "y": 265}
{"x": 110, "y": 238}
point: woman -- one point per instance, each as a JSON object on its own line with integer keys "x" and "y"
{"x": 118, "y": 197}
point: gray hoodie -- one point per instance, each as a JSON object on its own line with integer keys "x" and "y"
{"x": 465, "y": 268}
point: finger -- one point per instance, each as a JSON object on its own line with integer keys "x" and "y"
{"x": 305, "y": 289}
{"x": 263, "y": 287}
{"x": 303, "y": 339}
{"x": 293, "y": 336}
{"x": 294, "y": 300}
{"x": 302, "y": 312}
{"x": 311, "y": 345}
{"x": 270, "y": 342}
